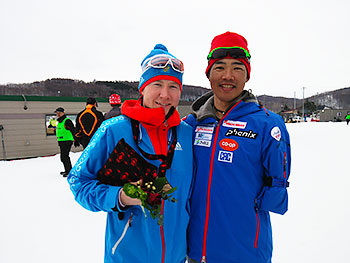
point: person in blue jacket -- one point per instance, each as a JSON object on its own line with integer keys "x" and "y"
{"x": 242, "y": 159}
{"x": 130, "y": 236}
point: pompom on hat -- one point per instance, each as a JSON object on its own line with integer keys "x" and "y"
{"x": 229, "y": 40}
{"x": 114, "y": 99}
{"x": 153, "y": 74}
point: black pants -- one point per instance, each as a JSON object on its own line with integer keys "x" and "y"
{"x": 347, "y": 122}
{"x": 65, "y": 147}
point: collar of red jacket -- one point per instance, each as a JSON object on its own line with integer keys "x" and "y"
{"x": 153, "y": 117}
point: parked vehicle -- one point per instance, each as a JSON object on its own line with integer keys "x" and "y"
{"x": 297, "y": 118}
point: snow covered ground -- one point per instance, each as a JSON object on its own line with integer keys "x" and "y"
{"x": 40, "y": 221}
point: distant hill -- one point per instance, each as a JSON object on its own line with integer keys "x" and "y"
{"x": 337, "y": 99}
{"x": 78, "y": 88}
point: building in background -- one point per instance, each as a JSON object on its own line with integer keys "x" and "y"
{"x": 328, "y": 114}
{"x": 26, "y": 130}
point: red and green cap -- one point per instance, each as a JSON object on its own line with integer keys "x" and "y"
{"x": 229, "y": 45}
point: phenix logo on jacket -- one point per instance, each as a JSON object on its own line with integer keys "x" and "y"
{"x": 242, "y": 168}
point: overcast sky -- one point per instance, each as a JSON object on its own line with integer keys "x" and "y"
{"x": 294, "y": 44}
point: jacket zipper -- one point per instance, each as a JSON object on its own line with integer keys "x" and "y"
{"x": 162, "y": 233}
{"x": 284, "y": 165}
{"x": 203, "y": 260}
{"x": 204, "y": 251}
{"x": 257, "y": 230}
{"x": 162, "y": 208}
{"x": 127, "y": 225}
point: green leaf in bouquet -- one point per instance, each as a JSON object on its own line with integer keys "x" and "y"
{"x": 134, "y": 191}
{"x": 143, "y": 210}
{"x": 172, "y": 190}
{"x": 160, "y": 220}
{"x": 162, "y": 186}
{"x": 159, "y": 183}
{"x": 146, "y": 205}
{"x": 131, "y": 190}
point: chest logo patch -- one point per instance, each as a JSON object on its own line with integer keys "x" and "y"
{"x": 204, "y": 136}
{"x": 226, "y": 157}
{"x": 202, "y": 143}
{"x": 204, "y": 129}
{"x": 178, "y": 147}
{"x": 276, "y": 133}
{"x": 246, "y": 134}
{"x": 228, "y": 145}
{"x": 234, "y": 124}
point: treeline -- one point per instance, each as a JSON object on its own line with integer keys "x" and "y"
{"x": 78, "y": 88}
{"x": 337, "y": 99}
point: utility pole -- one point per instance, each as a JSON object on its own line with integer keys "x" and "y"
{"x": 3, "y": 142}
{"x": 303, "y": 105}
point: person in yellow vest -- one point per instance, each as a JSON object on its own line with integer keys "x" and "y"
{"x": 65, "y": 139}
{"x": 52, "y": 123}
{"x": 87, "y": 123}
{"x": 347, "y": 118}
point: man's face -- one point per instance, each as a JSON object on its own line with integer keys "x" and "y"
{"x": 59, "y": 114}
{"x": 227, "y": 79}
{"x": 161, "y": 93}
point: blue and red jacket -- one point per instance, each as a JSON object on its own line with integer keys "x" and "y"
{"x": 132, "y": 238}
{"x": 242, "y": 167}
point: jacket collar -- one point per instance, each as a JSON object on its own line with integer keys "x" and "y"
{"x": 60, "y": 119}
{"x": 203, "y": 107}
{"x": 89, "y": 107}
{"x": 152, "y": 117}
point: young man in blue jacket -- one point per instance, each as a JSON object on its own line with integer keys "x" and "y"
{"x": 242, "y": 157}
{"x": 130, "y": 236}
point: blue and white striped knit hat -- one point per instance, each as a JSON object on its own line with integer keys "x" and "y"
{"x": 153, "y": 74}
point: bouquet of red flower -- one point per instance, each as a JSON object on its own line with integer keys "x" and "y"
{"x": 151, "y": 195}
{"x": 125, "y": 165}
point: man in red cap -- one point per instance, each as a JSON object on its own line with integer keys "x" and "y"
{"x": 115, "y": 102}
{"x": 242, "y": 160}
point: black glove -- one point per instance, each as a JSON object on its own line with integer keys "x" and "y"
{"x": 76, "y": 143}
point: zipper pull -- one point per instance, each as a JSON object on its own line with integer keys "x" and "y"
{"x": 256, "y": 205}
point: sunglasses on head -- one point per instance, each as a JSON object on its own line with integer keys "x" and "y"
{"x": 234, "y": 52}
{"x": 161, "y": 61}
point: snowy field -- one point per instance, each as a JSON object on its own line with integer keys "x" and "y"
{"x": 41, "y": 222}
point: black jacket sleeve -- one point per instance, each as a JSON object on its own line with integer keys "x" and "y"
{"x": 70, "y": 126}
{"x": 78, "y": 129}
{"x": 100, "y": 118}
